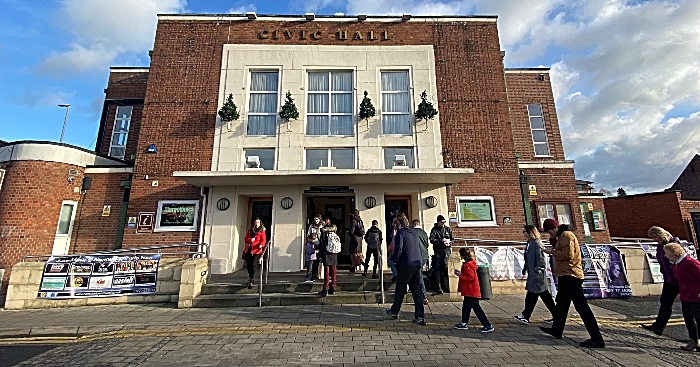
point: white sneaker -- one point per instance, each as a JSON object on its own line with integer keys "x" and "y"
{"x": 549, "y": 321}
{"x": 522, "y": 319}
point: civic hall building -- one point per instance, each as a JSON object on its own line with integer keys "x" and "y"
{"x": 166, "y": 169}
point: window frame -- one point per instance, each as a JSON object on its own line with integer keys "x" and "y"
{"x": 249, "y": 92}
{"x": 410, "y": 99}
{"x": 330, "y": 93}
{"x": 274, "y": 160}
{"x": 543, "y": 129}
{"x": 413, "y": 155}
{"x": 354, "y": 161}
{"x": 126, "y": 134}
{"x": 476, "y": 223}
{"x": 555, "y": 202}
{"x": 71, "y": 219}
{"x": 192, "y": 228}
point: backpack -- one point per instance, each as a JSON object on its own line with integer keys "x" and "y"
{"x": 359, "y": 229}
{"x": 333, "y": 243}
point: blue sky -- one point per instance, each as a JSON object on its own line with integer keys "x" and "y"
{"x": 624, "y": 72}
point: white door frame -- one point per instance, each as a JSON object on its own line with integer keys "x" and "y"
{"x": 61, "y": 242}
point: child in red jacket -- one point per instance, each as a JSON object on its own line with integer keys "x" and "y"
{"x": 469, "y": 288}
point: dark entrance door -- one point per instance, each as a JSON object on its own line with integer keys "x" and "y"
{"x": 261, "y": 208}
{"x": 395, "y": 204}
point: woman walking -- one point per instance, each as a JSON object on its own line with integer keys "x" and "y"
{"x": 315, "y": 229}
{"x": 670, "y": 290}
{"x": 468, "y": 286}
{"x": 255, "y": 242}
{"x": 535, "y": 269}
{"x": 687, "y": 272}
{"x": 329, "y": 240}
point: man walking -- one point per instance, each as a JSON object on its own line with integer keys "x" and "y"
{"x": 568, "y": 269}
{"x": 423, "y": 238}
{"x": 407, "y": 259}
{"x": 441, "y": 238}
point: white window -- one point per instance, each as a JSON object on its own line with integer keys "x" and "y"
{"x": 262, "y": 111}
{"x": 177, "y": 215}
{"x": 396, "y": 103}
{"x": 117, "y": 145}
{"x": 554, "y": 210}
{"x": 330, "y": 103}
{"x": 539, "y": 133}
{"x": 475, "y": 211}
{"x": 343, "y": 158}
{"x": 266, "y": 156}
{"x": 391, "y": 153}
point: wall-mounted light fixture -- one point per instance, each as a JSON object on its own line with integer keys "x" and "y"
{"x": 310, "y": 16}
{"x": 431, "y": 201}
{"x": 287, "y": 203}
{"x": 223, "y": 204}
{"x": 152, "y": 149}
{"x": 370, "y": 202}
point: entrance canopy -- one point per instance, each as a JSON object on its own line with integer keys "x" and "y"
{"x": 324, "y": 176}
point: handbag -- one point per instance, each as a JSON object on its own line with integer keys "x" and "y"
{"x": 357, "y": 259}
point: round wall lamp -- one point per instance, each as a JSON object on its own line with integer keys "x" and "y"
{"x": 287, "y": 202}
{"x": 370, "y": 202}
{"x": 223, "y": 204}
{"x": 431, "y": 201}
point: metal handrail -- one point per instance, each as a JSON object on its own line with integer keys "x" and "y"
{"x": 501, "y": 243}
{"x": 202, "y": 247}
{"x": 262, "y": 261}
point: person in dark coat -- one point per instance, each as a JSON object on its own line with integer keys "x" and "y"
{"x": 687, "y": 272}
{"x": 670, "y": 290}
{"x": 441, "y": 238}
{"x": 407, "y": 259}
{"x": 424, "y": 242}
{"x": 535, "y": 269}
{"x": 374, "y": 239}
{"x": 357, "y": 231}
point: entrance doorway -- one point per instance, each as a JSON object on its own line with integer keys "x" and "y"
{"x": 395, "y": 204}
{"x": 338, "y": 208}
{"x": 261, "y": 208}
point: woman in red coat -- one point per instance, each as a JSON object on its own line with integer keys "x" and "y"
{"x": 687, "y": 272}
{"x": 255, "y": 242}
{"x": 469, "y": 288}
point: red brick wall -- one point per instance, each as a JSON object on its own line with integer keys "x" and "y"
{"x": 631, "y": 216}
{"x": 91, "y": 231}
{"x": 598, "y": 204}
{"x": 124, "y": 85}
{"x": 689, "y": 181}
{"x": 523, "y": 89}
{"x": 30, "y": 205}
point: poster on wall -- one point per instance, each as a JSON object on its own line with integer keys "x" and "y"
{"x": 177, "y": 215}
{"x": 79, "y": 276}
{"x": 475, "y": 211}
{"x": 654, "y": 266}
{"x": 604, "y": 274}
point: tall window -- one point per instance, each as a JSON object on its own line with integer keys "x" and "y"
{"x": 396, "y": 104}
{"x": 262, "y": 112}
{"x": 330, "y": 105}
{"x": 343, "y": 158}
{"x": 539, "y": 133}
{"x": 117, "y": 146}
{"x": 391, "y": 153}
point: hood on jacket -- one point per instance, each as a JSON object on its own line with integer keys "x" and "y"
{"x": 373, "y": 229}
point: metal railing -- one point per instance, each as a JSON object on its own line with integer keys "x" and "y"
{"x": 264, "y": 262}
{"x": 202, "y": 251}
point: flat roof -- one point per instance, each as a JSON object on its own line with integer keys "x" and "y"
{"x": 333, "y": 18}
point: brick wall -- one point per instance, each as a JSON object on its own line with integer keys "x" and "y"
{"x": 598, "y": 204}
{"x": 523, "y": 89}
{"x": 689, "y": 180}
{"x": 631, "y": 216}
{"x": 91, "y": 231}
{"x": 30, "y": 205}
{"x": 686, "y": 206}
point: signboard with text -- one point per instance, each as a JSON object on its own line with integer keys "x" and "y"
{"x": 98, "y": 276}
{"x": 146, "y": 222}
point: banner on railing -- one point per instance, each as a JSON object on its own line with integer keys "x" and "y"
{"x": 654, "y": 266}
{"x": 604, "y": 273}
{"x": 98, "y": 276}
{"x": 506, "y": 263}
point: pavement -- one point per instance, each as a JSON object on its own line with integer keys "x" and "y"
{"x": 358, "y": 335}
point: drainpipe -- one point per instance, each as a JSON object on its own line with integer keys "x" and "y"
{"x": 201, "y": 219}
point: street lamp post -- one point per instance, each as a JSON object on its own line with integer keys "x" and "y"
{"x": 65, "y": 119}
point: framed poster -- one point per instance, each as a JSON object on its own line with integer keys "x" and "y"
{"x": 177, "y": 215}
{"x": 475, "y": 211}
{"x": 598, "y": 220}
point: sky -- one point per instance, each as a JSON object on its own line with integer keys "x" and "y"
{"x": 625, "y": 73}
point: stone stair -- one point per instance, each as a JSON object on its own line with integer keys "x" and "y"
{"x": 290, "y": 289}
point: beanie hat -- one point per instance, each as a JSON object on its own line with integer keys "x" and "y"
{"x": 440, "y": 218}
{"x": 550, "y": 224}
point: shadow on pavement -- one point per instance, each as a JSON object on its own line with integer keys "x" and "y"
{"x": 12, "y": 355}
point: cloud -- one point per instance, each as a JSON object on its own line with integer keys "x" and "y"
{"x": 242, "y": 9}
{"x": 42, "y": 97}
{"x": 104, "y": 31}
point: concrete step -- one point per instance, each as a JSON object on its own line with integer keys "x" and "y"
{"x": 349, "y": 285}
{"x": 309, "y": 298}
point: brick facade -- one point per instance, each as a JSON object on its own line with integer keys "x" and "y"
{"x": 30, "y": 206}
{"x": 631, "y": 216}
{"x": 688, "y": 183}
{"x": 598, "y": 204}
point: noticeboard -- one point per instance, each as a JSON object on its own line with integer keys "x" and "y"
{"x": 598, "y": 220}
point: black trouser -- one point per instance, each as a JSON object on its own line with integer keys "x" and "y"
{"x": 570, "y": 290}
{"x": 408, "y": 276}
{"x": 531, "y": 301}
{"x": 469, "y": 304}
{"x": 375, "y": 252}
{"x": 691, "y": 316}
{"x": 314, "y": 269}
{"x": 668, "y": 295}
{"x": 439, "y": 266}
{"x": 250, "y": 261}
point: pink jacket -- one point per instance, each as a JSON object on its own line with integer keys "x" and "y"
{"x": 687, "y": 273}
